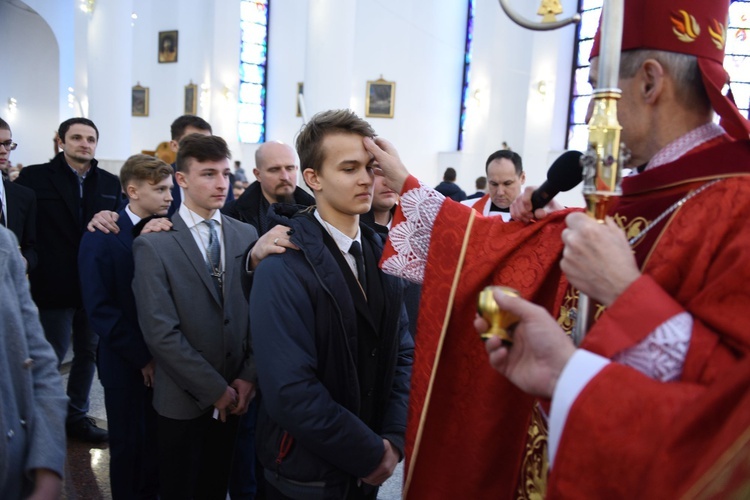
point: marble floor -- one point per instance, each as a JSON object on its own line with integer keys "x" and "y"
{"x": 87, "y": 466}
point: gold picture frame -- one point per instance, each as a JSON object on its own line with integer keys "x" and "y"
{"x": 191, "y": 99}
{"x": 300, "y": 91}
{"x": 167, "y": 49}
{"x": 380, "y": 99}
{"x": 139, "y": 100}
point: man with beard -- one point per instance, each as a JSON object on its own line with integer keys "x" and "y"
{"x": 69, "y": 189}
{"x": 276, "y": 173}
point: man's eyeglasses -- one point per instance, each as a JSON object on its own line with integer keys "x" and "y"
{"x": 9, "y": 145}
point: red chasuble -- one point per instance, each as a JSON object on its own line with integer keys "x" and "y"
{"x": 470, "y": 431}
{"x": 694, "y": 260}
{"x": 472, "y": 434}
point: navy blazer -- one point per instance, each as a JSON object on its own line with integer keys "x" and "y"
{"x": 21, "y": 219}
{"x": 106, "y": 266}
{"x": 61, "y": 221}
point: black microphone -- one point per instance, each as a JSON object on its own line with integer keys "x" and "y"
{"x": 565, "y": 173}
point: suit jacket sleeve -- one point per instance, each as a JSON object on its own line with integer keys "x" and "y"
{"x": 46, "y": 438}
{"x": 285, "y": 354}
{"x": 160, "y": 323}
{"x": 100, "y": 290}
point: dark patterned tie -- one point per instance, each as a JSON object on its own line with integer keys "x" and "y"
{"x": 356, "y": 251}
{"x": 213, "y": 253}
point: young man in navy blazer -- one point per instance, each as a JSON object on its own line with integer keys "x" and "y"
{"x": 126, "y": 367}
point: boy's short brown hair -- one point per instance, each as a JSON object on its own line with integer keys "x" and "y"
{"x": 310, "y": 139}
{"x": 201, "y": 148}
{"x": 140, "y": 168}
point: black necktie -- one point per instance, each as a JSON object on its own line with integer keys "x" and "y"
{"x": 2, "y": 213}
{"x": 356, "y": 251}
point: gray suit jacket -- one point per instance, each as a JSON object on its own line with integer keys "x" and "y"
{"x": 200, "y": 343}
{"x": 34, "y": 405}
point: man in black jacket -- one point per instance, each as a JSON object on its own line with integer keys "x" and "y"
{"x": 276, "y": 172}
{"x": 70, "y": 189}
{"x": 330, "y": 333}
{"x": 276, "y": 182}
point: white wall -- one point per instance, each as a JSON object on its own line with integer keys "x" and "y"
{"x": 416, "y": 43}
{"x": 30, "y": 74}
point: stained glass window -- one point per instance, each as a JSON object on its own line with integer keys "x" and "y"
{"x": 253, "y": 60}
{"x": 467, "y": 68}
{"x": 736, "y": 62}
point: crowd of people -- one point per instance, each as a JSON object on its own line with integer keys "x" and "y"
{"x": 272, "y": 343}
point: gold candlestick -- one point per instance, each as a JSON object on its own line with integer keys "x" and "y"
{"x": 500, "y": 321}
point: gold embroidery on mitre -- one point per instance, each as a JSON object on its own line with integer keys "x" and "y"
{"x": 685, "y": 26}
{"x": 718, "y": 35}
{"x": 535, "y": 466}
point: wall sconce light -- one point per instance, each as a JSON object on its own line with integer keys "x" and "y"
{"x": 477, "y": 95}
{"x": 87, "y": 6}
{"x": 205, "y": 95}
{"x": 541, "y": 87}
{"x": 12, "y": 105}
{"x": 227, "y": 93}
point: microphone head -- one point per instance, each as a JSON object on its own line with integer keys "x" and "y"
{"x": 566, "y": 172}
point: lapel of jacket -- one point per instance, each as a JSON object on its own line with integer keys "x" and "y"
{"x": 184, "y": 238}
{"x": 234, "y": 249}
{"x": 61, "y": 181}
{"x": 125, "y": 236}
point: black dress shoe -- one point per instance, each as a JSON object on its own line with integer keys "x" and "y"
{"x": 86, "y": 430}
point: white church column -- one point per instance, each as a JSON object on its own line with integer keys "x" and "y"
{"x": 329, "y": 64}
{"x": 110, "y": 54}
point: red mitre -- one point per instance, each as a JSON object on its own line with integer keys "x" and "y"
{"x": 693, "y": 27}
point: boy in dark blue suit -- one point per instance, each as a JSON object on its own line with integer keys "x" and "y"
{"x": 126, "y": 367}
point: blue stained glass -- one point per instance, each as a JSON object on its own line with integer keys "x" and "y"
{"x": 584, "y": 51}
{"x": 253, "y": 33}
{"x": 589, "y": 23}
{"x": 252, "y": 73}
{"x": 591, "y": 4}
{"x": 253, "y": 58}
{"x": 250, "y": 113}
{"x": 467, "y": 72}
{"x": 578, "y": 137}
{"x": 254, "y": 12}
{"x": 251, "y": 132}
{"x": 581, "y": 85}
{"x": 251, "y": 93}
{"x": 253, "y": 54}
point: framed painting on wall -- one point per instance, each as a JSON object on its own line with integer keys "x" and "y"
{"x": 191, "y": 99}
{"x": 380, "y": 99}
{"x": 300, "y": 91}
{"x": 167, "y": 46}
{"x": 139, "y": 100}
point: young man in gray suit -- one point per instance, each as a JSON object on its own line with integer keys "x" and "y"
{"x": 194, "y": 318}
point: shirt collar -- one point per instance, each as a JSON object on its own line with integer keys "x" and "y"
{"x": 684, "y": 144}
{"x": 342, "y": 241}
{"x": 192, "y": 219}
{"x": 135, "y": 219}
